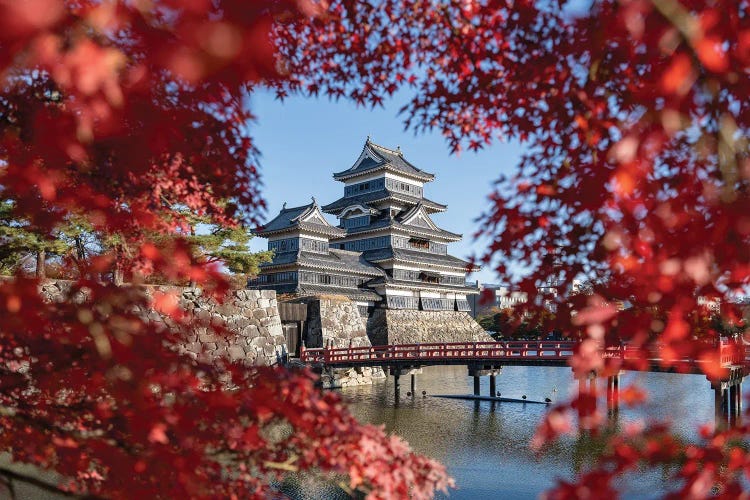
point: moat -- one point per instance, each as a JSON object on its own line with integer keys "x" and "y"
{"x": 485, "y": 445}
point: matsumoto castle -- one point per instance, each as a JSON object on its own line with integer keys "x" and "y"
{"x": 385, "y": 252}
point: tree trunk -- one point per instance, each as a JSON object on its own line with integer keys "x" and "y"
{"x": 119, "y": 275}
{"x": 41, "y": 257}
{"x": 80, "y": 250}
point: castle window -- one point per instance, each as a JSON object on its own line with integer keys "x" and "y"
{"x": 314, "y": 245}
{"x": 462, "y": 305}
{"x": 428, "y": 277}
{"x": 419, "y": 243}
{"x": 357, "y": 221}
{"x": 430, "y": 304}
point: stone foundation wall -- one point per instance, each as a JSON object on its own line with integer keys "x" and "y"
{"x": 334, "y": 320}
{"x": 351, "y": 377}
{"x": 250, "y": 317}
{"x": 403, "y": 326}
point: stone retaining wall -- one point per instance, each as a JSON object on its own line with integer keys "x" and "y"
{"x": 251, "y": 319}
{"x": 334, "y": 320}
{"x": 404, "y": 326}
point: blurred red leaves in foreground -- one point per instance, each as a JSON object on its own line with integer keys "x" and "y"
{"x": 128, "y": 115}
{"x": 629, "y": 210}
{"x": 635, "y": 178}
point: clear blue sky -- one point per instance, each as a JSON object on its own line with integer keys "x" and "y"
{"x": 304, "y": 140}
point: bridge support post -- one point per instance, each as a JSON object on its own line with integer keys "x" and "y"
{"x": 613, "y": 393}
{"x": 738, "y": 406}
{"x": 493, "y": 385}
{"x": 587, "y": 401}
{"x": 720, "y": 405}
{"x": 397, "y": 371}
{"x": 478, "y": 370}
{"x": 413, "y": 384}
{"x": 735, "y": 402}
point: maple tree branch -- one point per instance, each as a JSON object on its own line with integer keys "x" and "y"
{"x": 8, "y": 482}
{"x": 11, "y": 476}
{"x": 680, "y": 18}
{"x": 100, "y": 434}
{"x": 287, "y": 465}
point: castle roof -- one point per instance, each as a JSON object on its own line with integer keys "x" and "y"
{"x": 418, "y": 285}
{"x": 415, "y": 221}
{"x": 419, "y": 258}
{"x": 303, "y": 218}
{"x": 341, "y": 261}
{"x": 382, "y": 195}
{"x": 304, "y": 289}
{"x": 375, "y": 157}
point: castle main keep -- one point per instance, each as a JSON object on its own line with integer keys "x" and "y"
{"x": 385, "y": 252}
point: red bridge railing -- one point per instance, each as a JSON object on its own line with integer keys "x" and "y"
{"x": 730, "y": 353}
{"x": 433, "y": 352}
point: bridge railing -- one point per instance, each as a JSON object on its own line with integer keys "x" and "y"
{"x": 437, "y": 351}
{"x": 730, "y": 352}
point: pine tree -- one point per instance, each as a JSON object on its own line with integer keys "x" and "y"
{"x": 20, "y": 241}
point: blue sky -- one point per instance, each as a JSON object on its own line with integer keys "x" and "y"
{"x": 304, "y": 140}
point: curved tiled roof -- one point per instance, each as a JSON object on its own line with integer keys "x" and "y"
{"x": 384, "y": 194}
{"x": 374, "y": 157}
{"x": 384, "y": 221}
{"x": 416, "y": 285}
{"x": 394, "y": 224}
{"x": 341, "y": 261}
{"x": 414, "y": 256}
{"x": 295, "y": 219}
{"x": 307, "y": 289}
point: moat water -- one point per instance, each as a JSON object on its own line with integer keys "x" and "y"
{"x": 486, "y": 445}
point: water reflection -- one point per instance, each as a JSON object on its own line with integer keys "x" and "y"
{"x": 485, "y": 445}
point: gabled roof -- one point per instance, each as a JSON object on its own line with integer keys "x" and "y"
{"x": 417, "y": 285}
{"x": 304, "y": 289}
{"x": 376, "y": 157}
{"x": 417, "y": 257}
{"x": 438, "y": 234}
{"x": 413, "y": 222}
{"x": 358, "y": 207}
{"x": 339, "y": 261}
{"x": 378, "y": 196}
{"x": 419, "y": 217}
{"x": 305, "y": 218}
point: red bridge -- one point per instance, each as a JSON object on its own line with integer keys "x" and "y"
{"x": 549, "y": 353}
{"x": 488, "y": 358}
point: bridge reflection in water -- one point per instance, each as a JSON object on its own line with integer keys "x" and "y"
{"x": 488, "y": 359}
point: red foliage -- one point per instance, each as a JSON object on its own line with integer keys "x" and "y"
{"x": 119, "y": 111}
{"x": 636, "y": 175}
{"x": 633, "y": 112}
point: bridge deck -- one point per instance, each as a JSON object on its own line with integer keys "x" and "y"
{"x": 510, "y": 353}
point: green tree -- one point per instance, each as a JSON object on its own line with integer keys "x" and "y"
{"x": 229, "y": 245}
{"x": 219, "y": 242}
{"x": 19, "y": 242}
